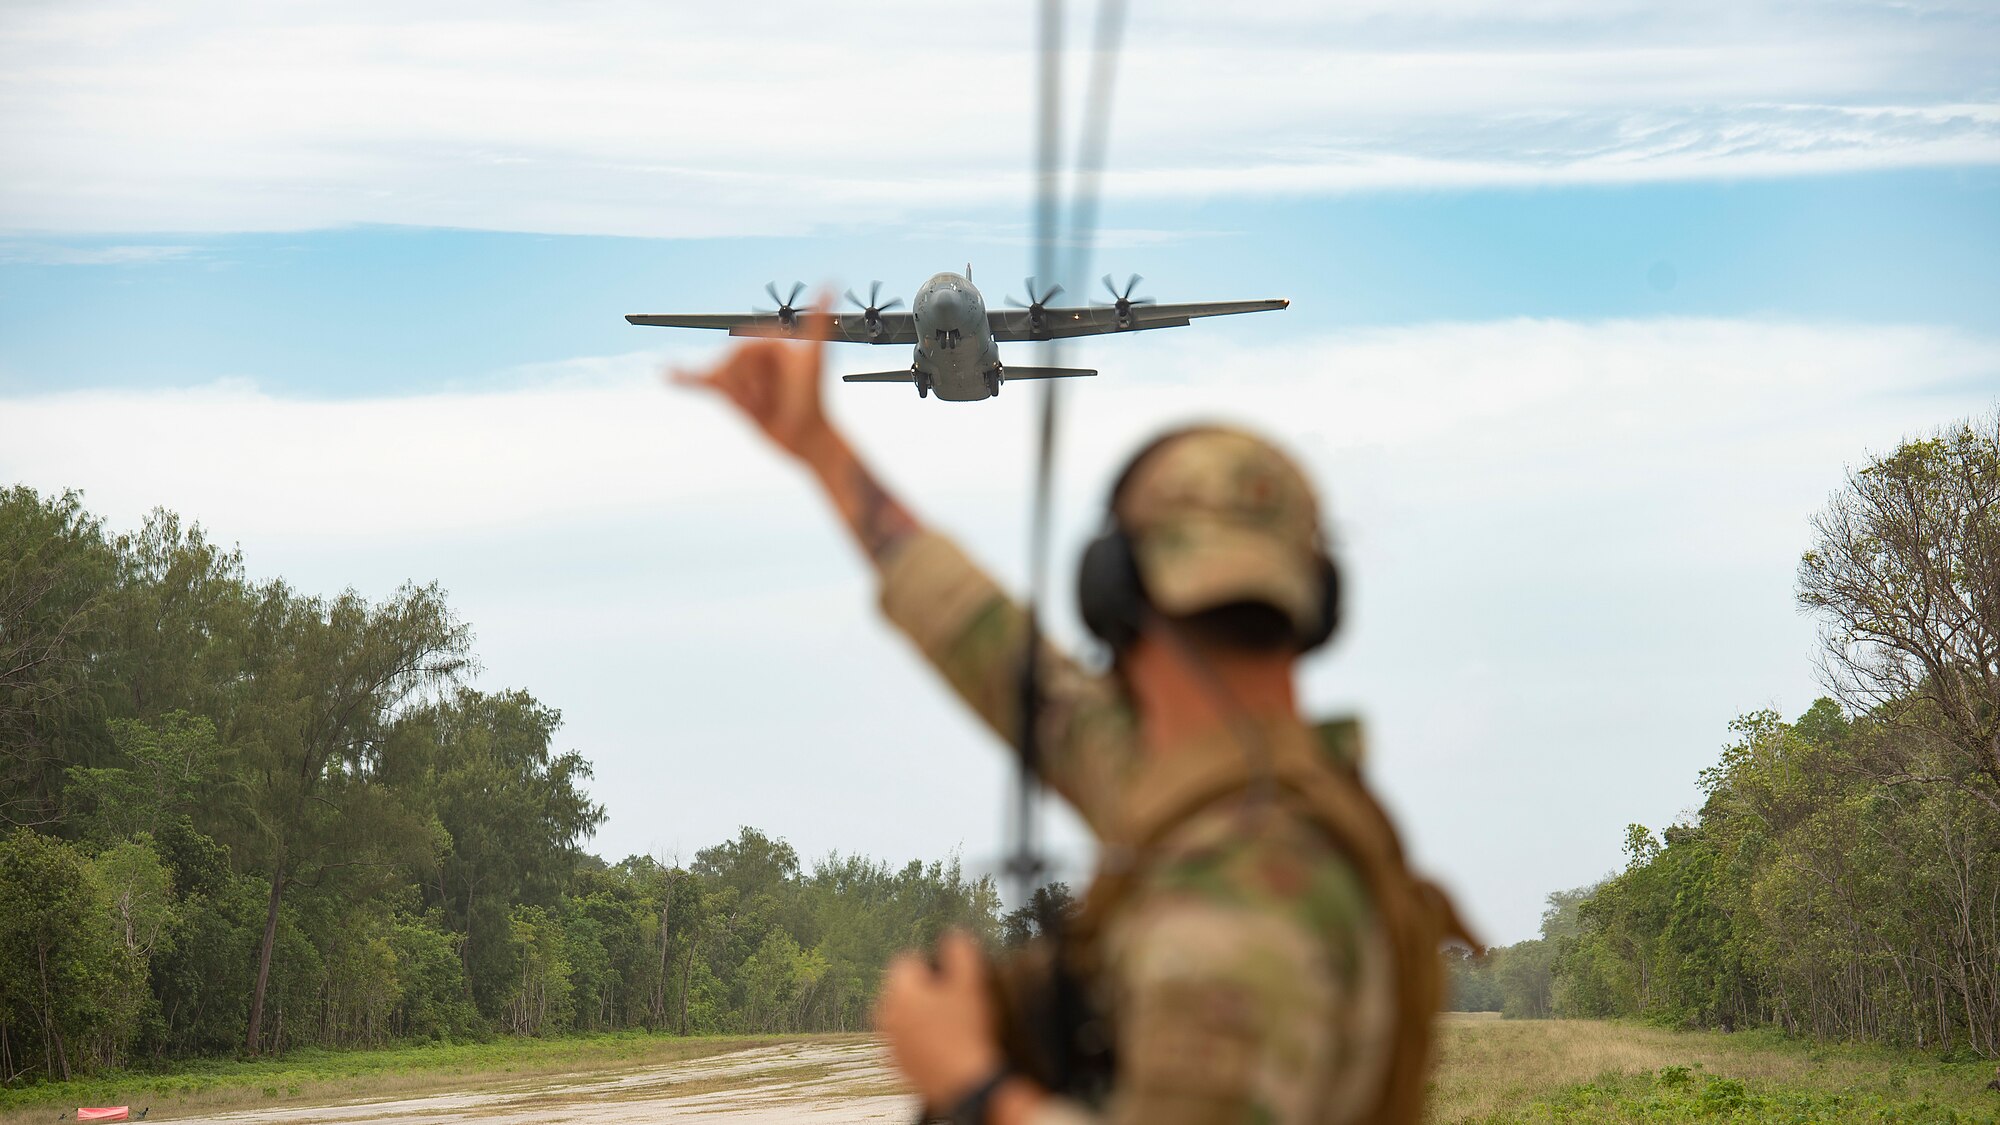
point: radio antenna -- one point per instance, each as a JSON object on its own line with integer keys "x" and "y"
{"x": 1025, "y": 864}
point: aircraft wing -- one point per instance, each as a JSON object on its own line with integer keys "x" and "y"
{"x": 1095, "y": 320}
{"x": 853, "y": 328}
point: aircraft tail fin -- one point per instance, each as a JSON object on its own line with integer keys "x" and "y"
{"x": 1011, "y": 373}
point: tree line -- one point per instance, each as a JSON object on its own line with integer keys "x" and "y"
{"x": 244, "y": 818}
{"x": 1842, "y": 876}
{"x": 240, "y": 818}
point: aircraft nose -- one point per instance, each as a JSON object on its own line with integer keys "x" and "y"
{"x": 948, "y": 305}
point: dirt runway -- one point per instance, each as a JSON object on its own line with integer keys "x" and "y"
{"x": 824, "y": 1084}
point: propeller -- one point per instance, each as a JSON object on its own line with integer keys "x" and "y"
{"x": 873, "y": 308}
{"x": 788, "y": 313}
{"x": 1124, "y": 301}
{"x": 1038, "y": 306}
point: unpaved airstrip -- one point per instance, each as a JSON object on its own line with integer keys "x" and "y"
{"x": 833, "y": 1084}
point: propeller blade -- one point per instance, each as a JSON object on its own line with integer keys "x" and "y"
{"x": 1131, "y": 285}
{"x": 799, "y": 287}
{"x": 1108, "y": 284}
{"x": 893, "y": 302}
{"x": 855, "y": 301}
{"x": 1012, "y": 303}
{"x": 1036, "y": 301}
{"x": 771, "y": 287}
{"x": 874, "y": 293}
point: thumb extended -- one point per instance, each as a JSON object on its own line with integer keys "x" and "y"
{"x": 960, "y": 958}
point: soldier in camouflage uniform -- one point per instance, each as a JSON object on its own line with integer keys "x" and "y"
{"x": 1236, "y": 948}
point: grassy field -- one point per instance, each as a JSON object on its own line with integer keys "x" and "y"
{"x": 313, "y": 1076}
{"x": 1491, "y": 1071}
{"x": 1535, "y": 1071}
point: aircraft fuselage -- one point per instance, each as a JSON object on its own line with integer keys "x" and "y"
{"x": 956, "y": 358}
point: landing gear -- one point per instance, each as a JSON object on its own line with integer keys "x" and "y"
{"x": 923, "y": 385}
{"x": 993, "y": 383}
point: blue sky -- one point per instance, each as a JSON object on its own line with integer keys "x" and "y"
{"x": 375, "y": 310}
{"x": 1592, "y": 305}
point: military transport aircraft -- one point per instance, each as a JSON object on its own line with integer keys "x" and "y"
{"x": 955, "y": 336}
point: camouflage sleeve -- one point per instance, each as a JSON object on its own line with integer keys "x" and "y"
{"x": 975, "y": 636}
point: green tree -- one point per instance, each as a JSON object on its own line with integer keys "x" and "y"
{"x": 1525, "y": 973}
{"x": 167, "y": 771}
{"x": 69, "y": 989}
{"x": 1472, "y": 985}
{"x": 514, "y": 814}
{"x": 1810, "y": 894}
{"x": 135, "y": 892}
{"x": 1904, "y": 573}
{"x": 178, "y": 624}
{"x": 780, "y": 982}
{"x": 1050, "y": 905}
{"x": 200, "y": 972}
{"x": 757, "y": 867}
{"x": 57, "y": 580}
{"x": 542, "y": 1001}
{"x": 433, "y": 1003}
{"x": 326, "y": 680}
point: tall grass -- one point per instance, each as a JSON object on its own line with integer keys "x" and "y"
{"x": 1500, "y": 1071}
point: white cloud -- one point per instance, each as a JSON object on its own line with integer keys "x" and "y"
{"x": 637, "y": 119}
{"x": 1570, "y": 544}
{"x": 45, "y": 254}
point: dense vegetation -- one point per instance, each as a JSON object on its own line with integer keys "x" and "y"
{"x": 1842, "y": 877}
{"x": 240, "y": 818}
{"x": 235, "y": 817}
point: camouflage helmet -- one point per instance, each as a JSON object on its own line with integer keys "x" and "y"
{"x": 1217, "y": 515}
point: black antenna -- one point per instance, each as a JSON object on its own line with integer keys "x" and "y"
{"x": 1095, "y": 138}
{"x": 1025, "y": 863}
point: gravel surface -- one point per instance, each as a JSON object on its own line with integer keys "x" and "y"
{"x": 805, "y": 1082}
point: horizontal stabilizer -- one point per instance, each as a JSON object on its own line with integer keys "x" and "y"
{"x": 904, "y": 376}
{"x": 1011, "y": 373}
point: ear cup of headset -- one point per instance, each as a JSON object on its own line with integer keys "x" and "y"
{"x": 1111, "y": 597}
{"x": 1329, "y": 607}
{"x": 1109, "y": 594}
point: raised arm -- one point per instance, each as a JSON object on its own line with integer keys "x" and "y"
{"x": 962, "y": 621}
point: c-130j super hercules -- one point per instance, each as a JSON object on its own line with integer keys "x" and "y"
{"x": 955, "y": 336}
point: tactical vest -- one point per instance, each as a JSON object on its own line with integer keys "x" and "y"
{"x": 1049, "y": 1030}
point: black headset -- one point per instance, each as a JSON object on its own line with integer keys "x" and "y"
{"x": 1111, "y": 594}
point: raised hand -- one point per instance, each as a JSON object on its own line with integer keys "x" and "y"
{"x": 776, "y": 384}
